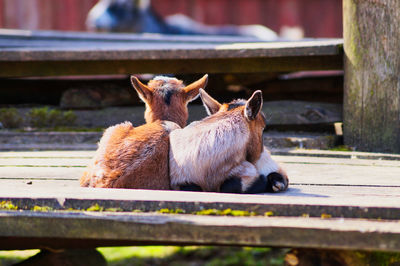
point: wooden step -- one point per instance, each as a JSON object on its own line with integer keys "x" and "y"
{"x": 335, "y": 200}
{"x": 30, "y": 54}
{"x": 89, "y": 229}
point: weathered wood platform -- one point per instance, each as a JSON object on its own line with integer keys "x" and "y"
{"x": 25, "y": 53}
{"x": 342, "y": 200}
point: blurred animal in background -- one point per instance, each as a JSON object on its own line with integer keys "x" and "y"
{"x": 137, "y": 157}
{"x": 139, "y": 17}
{"x": 224, "y": 152}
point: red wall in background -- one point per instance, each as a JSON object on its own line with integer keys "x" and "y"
{"x": 318, "y": 18}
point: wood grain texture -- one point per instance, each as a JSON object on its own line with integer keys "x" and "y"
{"x": 72, "y": 50}
{"x": 188, "y": 229}
{"x": 43, "y": 55}
{"x": 341, "y": 182}
{"x": 372, "y": 90}
{"x": 335, "y": 200}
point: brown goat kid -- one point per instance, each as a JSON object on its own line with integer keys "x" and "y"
{"x": 224, "y": 152}
{"x": 137, "y": 157}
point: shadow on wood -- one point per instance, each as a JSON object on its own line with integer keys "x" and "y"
{"x": 69, "y": 257}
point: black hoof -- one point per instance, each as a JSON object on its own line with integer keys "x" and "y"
{"x": 276, "y": 182}
{"x": 258, "y": 186}
{"x": 231, "y": 185}
{"x": 190, "y": 187}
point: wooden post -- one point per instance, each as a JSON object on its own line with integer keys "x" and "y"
{"x": 371, "y": 31}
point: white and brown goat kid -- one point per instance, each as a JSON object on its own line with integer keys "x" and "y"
{"x": 137, "y": 157}
{"x": 224, "y": 152}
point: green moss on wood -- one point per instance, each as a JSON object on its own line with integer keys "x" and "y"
{"x": 42, "y": 209}
{"x": 7, "y": 205}
{"x": 10, "y": 118}
{"x": 379, "y": 258}
{"x": 46, "y": 117}
{"x": 171, "y": 211}
{"x": 214, "y": 212}
{"x": 325, "y": 216}
{"x": 62, "y": 129}
{"x": 341, "y": 148}
{"x": 226, "y": 212}
{"x": 95, "y": 208}
{"x": 114, "y": 210}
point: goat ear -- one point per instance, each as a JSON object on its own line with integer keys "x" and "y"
{"x": 192, "y": 90}
{"x": 212, "y": 106}
{"x": 145, "y": 92}
{"x": 253, "y": 105}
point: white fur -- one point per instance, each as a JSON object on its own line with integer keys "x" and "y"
{"x": 167, "y": 85}
{"x": 201, "y": 151}
{"x": 207, "y": 109}
{"x": 266, "y": 165}
{"x": 164, "y": 78}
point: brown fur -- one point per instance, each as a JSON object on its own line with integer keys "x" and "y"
{"x": 129, "y": 157}
{"x": 255, "y": 143}
{"x": 119, "y": 164}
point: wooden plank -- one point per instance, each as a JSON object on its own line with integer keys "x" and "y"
{"x": 348, "y": 202}
{"x": 54, "y": 36}
{"x": 336, "y": 192}
{"x": 301, "y": 169}
{"x": 44, "y": 55}
{"x": 301, "y": 112}
{"x": 48, "y": 154}
{"x": 60, "y": 159}
{"x": 202, "y": 230}
{"x": 63, "y": 51}
{"x": 44, "y": 146}
{"x": 298, "y": 155}
{"x": 312, "y": 188}
{"x": 278, "y": 112}
{"x": 38, "y": 173}
{"x": 39, "y": 183}
{"x": 299, "y": 173}
{"x": 295, "y": 190}
{"x": 336, "y": 186}
{"x": 43, "y": 162}
{"x": 343, "y": 175}
{"x": 310, "y": 160}
{"x": 338, "y": 154}
{"x": 160, "y": 66}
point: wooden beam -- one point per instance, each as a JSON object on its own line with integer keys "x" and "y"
{"x": 175, "y": 66}
{"x": 334, "y": 201}
{"x": 371, "y": 202}
{"x": 372, "y": 88}
{"x": 160, "y": 229}
{"x": 43, "y": 55}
